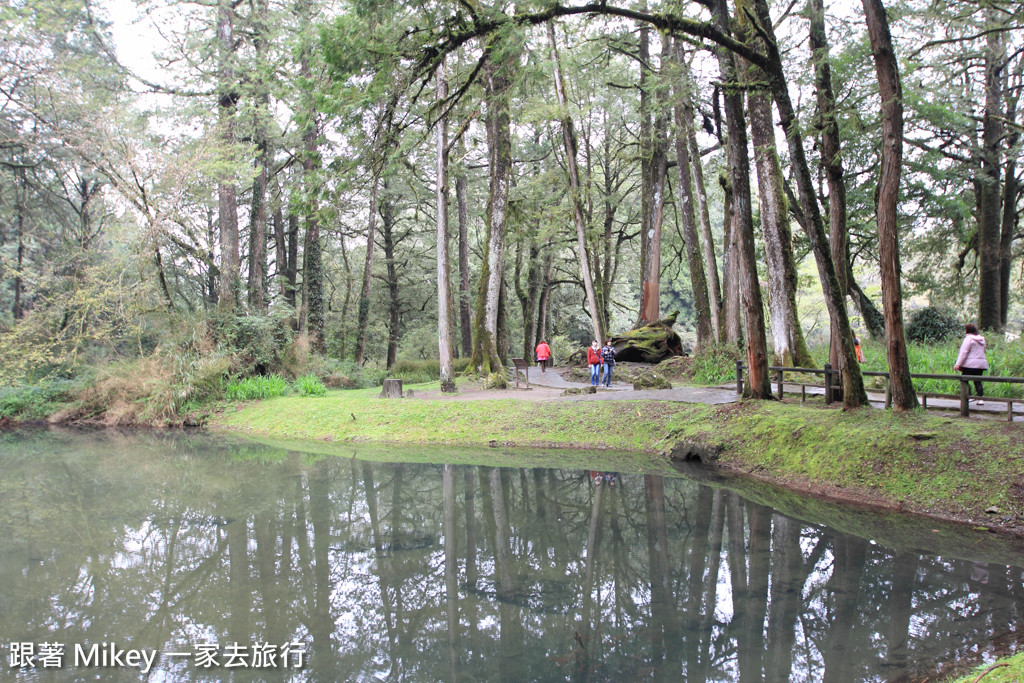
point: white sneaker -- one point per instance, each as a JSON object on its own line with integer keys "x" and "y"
{"x": 980, "y": 402}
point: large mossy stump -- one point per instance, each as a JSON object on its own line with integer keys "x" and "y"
{"x": 651, "y": 343}
{"x": 392, "y": 389}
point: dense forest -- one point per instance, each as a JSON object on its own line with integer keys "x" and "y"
{"x": 294, "y": 185}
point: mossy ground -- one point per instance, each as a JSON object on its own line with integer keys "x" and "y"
{"x": 1008, "y": 670}
{"x": 941, "y": 466}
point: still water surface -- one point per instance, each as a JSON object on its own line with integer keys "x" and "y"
{"x": 217, "y": 559}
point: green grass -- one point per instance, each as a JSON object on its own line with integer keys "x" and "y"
{"x": 253, "y": 388}
{"x": 1007, "y": 670}
{"x": 310, "y": 385}
{"x": 929, "y": 464}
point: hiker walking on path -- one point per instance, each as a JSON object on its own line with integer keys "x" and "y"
{"x": 595, "y": 361}
{"x": 543, "y": 354}
{"x": 608, "y": 358}
{"x": 971, "y": 359}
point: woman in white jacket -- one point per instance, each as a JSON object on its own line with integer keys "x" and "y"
{"x": 971, "y": 359}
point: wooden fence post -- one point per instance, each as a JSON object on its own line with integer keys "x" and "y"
{"x": 888, "y": 392}
{"x": 965, "y": 410}
{"x": 739, "y": 377}
{"x": 780, "y": 385}
{"x": 828, "y": 384}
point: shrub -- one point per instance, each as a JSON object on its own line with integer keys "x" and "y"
{"x": 930, "y": 325}
{"x": 34, "y": 402}
{"x": 715, "y": 364}
{"x": 310, "y": 385}
{"x": 253, "y": 388}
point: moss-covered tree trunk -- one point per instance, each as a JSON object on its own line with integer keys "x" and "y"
{"x": 444, "y": 292}
{"x": 788, "y": 344}
{"x": 684, "y": 192}
{"x": 759, "y": 384}
{"x": 854, "y": 395}
{"x": 497, "y": 81}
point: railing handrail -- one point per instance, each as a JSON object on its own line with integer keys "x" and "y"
{"x": 913, "y": 375}
{"x": 829, "y": 372}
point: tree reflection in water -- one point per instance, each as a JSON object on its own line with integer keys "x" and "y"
{"x": 442, "y": 572}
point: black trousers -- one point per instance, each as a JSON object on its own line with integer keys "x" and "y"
{"x": 977, "y": 385}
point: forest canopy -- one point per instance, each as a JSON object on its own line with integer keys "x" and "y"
{"x": 258, "y": 186}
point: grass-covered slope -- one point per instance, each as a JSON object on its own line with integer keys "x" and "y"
{"x": 967, "y": 469}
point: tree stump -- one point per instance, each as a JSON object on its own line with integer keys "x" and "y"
{"x": 392, "y": 389}
{"x": 651, "y": 343}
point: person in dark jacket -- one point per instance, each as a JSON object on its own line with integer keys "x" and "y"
{"x": 971, "y": 359}
{"x": 608, "y": 360}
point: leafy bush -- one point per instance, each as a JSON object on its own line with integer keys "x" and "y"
{"x": 34, "y": 402}
{"x": 253, "y": 388}
{"x": 715, "y": 364}
{"x": 310, "y": 385}
{"x": 929, "y": 325}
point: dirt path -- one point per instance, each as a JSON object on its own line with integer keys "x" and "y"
{"x": 548, "y": 386}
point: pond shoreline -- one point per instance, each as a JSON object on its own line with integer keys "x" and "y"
{"x": 943, "y": 468}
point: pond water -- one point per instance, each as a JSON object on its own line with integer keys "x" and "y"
{"x": 190, "y": 557}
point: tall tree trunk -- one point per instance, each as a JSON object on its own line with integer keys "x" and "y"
{"x": 388, "y": 242}
{"x": 988, "y": 185}
{"x": 788, "y": 343}
{"x": 465, "y": 310}
{"x": 891, "y": 92}
{"x": 854, "y": 395}
{"x": 700, "y": 191}
{"x": 211, "y": 276}
{"x": 646, "y": 148}
{"x": 258, "y": 216}
{"x": 497, "y": 79}
{"x": 1011, "y": 193}
{"x": 569, "y": 141}
{"x": 312, "y": 318}
{"x": 21, "y": 196}
{"x": 684, "y": 191}
{"x": 730, "y": 268}
{"x": 444, "y": 292}
{"x": 758, "y": 384}
{"x": 293, "y": 258}
{"x": 280, "y": 248}
{"x": 227, "y": 201}
{"x": 650, "y": 302}
{"x": 364, "y": 293}
{"x": 831, "y": 161}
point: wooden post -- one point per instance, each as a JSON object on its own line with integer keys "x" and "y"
{"x": 888, "y": 392}
{"x": 392, "y": 389}
{"x": 828, "y": 384}
{"x": 1009, "y": 411}
{"x": 780, "y": 385}
{"x": 924, "y": 401}
{"x": 739, "y": 377}
{"x": 965, "y": 410}
{"x": 803, "y": 393}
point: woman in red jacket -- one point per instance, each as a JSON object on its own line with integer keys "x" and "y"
{"x": 594, "y": 360}
{"x": 543, "y": 354}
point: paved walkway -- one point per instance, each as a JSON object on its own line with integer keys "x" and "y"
{"x": 621, "y": 391}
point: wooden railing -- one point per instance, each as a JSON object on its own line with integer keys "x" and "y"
{"x": 833, "y": 387}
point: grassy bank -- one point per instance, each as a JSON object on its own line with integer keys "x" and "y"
{"x": 917, "y": 463}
